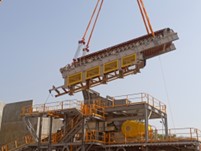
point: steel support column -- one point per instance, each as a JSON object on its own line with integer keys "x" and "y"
{"x": 97, "y": 129}
{"x": 65, "y": 123}
{"x": 166, "y": 126}
{"x": 83, "y": 133}
{"x": 40, "y": 132}
{"x": 50, "y": 133}
{"x": 146, "y": 123}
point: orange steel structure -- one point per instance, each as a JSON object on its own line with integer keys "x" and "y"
{"x": 81, "y": 130}
{"x": 185, "y": 135}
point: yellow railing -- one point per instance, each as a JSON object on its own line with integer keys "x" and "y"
{"x": 174, "y": 135}
{"x": 180, "y": 134}
{"x": 17, "y": 143}
{"x": 52, "y": 106}
{"x": 96, "y": 107}
{"x": 155, "y": 136}
{"x": 119, "y": 138}
{"x": 93, "y": 110}
{"x": 95, "y": 136}
{"x": 140, "y": 97}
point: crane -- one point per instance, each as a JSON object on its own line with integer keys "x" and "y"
{"x": 114, "y": 62}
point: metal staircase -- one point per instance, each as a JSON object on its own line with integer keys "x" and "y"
{"x": 73, "y": 127}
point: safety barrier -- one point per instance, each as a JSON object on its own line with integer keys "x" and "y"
{"x": 109, "y": 138}
{"x": 141, "y": 97}
{"x": 52, "y": 106}
{"x": 155, "y": 136}
{"x": 95, "y": 136}
{"x": 96, "y": 107}
{"x": 179, "y": 134}
{"x": 93, "y": 110}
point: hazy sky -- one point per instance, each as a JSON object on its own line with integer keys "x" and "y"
{"x": 38, "y": 37}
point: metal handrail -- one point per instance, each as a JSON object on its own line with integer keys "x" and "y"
{"x": 131, "y": 99}
{"x": 52, "y": 106}
{"x": 93, "y": 110}
{"x": 94, "y": 136}
{"x": 174, "y": 135}
{"x": 142, "y": 97}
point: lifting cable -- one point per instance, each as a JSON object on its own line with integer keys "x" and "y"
{"x": 81, "y": 43}
{"x": 83, "y": 38}
{"x": 145, "y": 17}
{"x": 89, "y": 39}
{"x": 48, "y": 96}
{"x": 166, "y": 91}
